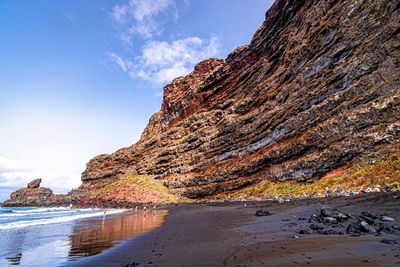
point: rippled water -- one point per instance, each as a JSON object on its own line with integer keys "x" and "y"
{"x": 54, "y": 236}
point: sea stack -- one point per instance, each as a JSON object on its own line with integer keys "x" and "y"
{"x": 34, "y": 195}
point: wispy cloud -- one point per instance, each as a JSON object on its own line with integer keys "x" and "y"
{"x": 69, "y": 16}
{"x": 140, "y": 16}
{"x": 140, "y": 9}
{"x": 161, "y": 61}
{"x": 157, "y": 61}
{"x": 120, "y": 63}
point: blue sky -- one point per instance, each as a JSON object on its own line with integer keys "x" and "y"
{"x": 81, "y": 78}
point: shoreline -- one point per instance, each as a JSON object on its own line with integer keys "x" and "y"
{"x": 66, "y": 235}
{"x": 229, "y": 234}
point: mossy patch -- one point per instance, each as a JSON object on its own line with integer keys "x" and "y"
{"x": 378, "y": 175}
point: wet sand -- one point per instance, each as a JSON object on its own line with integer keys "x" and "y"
{"x": 228, "y": 234}
{"x": 55, "y": 244}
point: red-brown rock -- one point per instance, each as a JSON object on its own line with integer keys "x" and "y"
{"x": 35, "y": 183}
{"x": 317, "y": 88}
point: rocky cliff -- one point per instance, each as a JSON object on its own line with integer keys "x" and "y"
{"x": 317, "y": 88}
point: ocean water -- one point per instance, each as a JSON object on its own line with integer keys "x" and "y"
{"x": 56, "y": 236}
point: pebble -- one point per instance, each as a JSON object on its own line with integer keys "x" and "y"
{"x": 314, "y": 226}
{"x": 304, "y": 232}
{"x": 330, "y": 232}
{"x": 389, "y": 242}
{"x": 367, "y": 228}
{"x": 262, "y": 212}
{"x": 330, "y": 220}
{"x": 387, "y": 219}
{"x": 396, "y": 226}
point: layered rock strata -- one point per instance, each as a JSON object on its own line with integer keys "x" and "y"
{"x": 317, "y": 87}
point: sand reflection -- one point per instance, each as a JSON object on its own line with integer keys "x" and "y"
{"x": 91, "y": 237}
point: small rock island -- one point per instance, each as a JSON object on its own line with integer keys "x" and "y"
{"x": 34, "y": 195}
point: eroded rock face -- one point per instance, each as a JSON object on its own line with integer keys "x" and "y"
{"x": 34, "y": 195}
{"x": 317, "y": 87}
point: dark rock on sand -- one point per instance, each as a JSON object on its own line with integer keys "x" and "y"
{"x": 371, "y": 215}
{"x": 367, "y": 228}
{"x": 330, "y": 220}
{"x": 389, "y": 242}
{"x": 368, "y": 217}
{"x": 262, "y": 212}
{"x": 359, "y": 227}
{"x": 384, "y": 228}
{"x": 326, "y": 212}
{"x": 328, "y": 216}
{"x": 314, "y": 219}
{"x": 131, "y": 264}
{"x": 330, "y": 232}
{"x": 396, "y": 227}
{"x": 314, "y": 226}
{"x": 305, "y": 232}
{"x": 333, "y": 213}
{"x": 387, "y": 219}
{"x": 366, "y": 222}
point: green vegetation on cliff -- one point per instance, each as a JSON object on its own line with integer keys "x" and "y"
{"x": 383, "y": 175}
{"x": 135, "y": 189}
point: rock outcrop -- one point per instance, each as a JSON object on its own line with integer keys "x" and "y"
{"x": 34, "y": 195}
{"x": 34, "y": 184}
{"x": 317, "y": 88}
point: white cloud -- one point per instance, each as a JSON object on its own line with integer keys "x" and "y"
{"x": 119, "y": 62}
{"x": 139, "y": 9}
{"x": 55, "y": 143}
{"x": 161, "y": 61}
{"x": 161, "y": 54}
{"x": 140, "y": 15}
{"x": 69, "y": 16}
{"x": 142, "y": 9}
{"x": 170, "y": 73}
{"x": 15, "y": 173}
{"x": 7, "y": 165}
{"x": 119, "y": 12}
{"x": 145, "y": 30}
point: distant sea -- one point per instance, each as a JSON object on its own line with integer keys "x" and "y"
{"x": 56, "y": 236}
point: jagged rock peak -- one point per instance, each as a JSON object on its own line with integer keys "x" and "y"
{"x": 35, "y": 183}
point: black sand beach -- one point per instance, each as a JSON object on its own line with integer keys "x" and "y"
{"x": 40, "y": 238}
{"x": 229, "y": 234}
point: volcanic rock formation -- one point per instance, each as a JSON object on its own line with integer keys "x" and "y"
{"x": 318, "y": 87}
{"x": 34, "y": 184}
{"x": 34, "y": 195}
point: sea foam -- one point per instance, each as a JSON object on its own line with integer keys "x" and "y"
{"x": 74, "y": 215}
